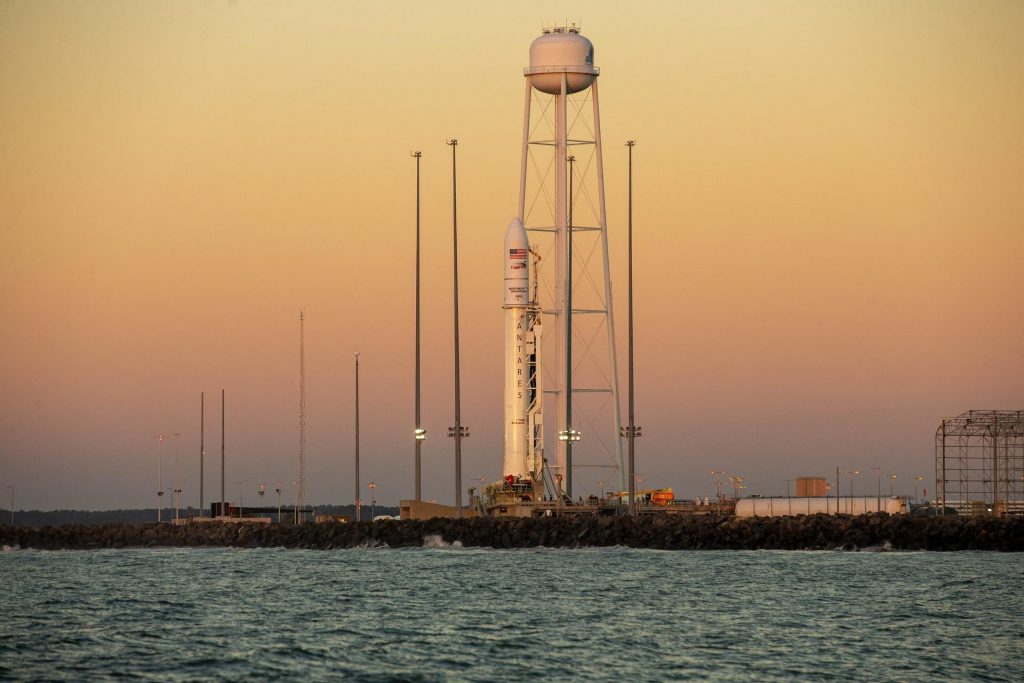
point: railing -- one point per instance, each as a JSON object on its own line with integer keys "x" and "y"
{"x": 570, "y": 68}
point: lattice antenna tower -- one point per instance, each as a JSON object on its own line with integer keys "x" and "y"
{"x": 301, "y": 502}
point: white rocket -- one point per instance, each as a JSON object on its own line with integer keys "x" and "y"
{"x": 521, "y": 378}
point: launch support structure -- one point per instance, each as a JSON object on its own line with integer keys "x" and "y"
{"x": 560, "y": 111}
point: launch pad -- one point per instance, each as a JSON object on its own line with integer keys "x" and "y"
{"x": 559, "y": 328}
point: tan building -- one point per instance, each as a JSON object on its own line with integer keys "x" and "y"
{"x": 811, "y": 487}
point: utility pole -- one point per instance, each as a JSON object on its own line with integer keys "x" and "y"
{"x": 419, "y": 434}
{"x": 456, "y": 432}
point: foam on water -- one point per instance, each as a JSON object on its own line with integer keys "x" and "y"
{"x": 436, "y": 542}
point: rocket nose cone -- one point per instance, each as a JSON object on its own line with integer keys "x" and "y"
{"x": 515, "y": 236}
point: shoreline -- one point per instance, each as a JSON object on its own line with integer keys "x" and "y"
{"x": 813, "y": 532}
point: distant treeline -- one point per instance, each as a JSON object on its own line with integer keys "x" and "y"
{"x": 39, "y": 518}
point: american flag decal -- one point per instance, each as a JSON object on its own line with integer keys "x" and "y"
{"x": 516, "y": 253}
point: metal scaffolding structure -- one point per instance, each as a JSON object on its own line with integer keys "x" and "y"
{"x": 979, "y": 463}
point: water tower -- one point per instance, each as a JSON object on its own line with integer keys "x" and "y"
{"x": 562, "y": 153}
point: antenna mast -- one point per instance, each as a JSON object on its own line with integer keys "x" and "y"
{"x": 302, "y": 411}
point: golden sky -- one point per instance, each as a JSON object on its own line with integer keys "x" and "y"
{"x": 829, "y": 228}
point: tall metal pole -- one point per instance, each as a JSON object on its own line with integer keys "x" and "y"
{"x": 301, "y": 498}
{"x": 223, "y": 496}
{"x": 202, "y": 449}
{"x": 359, "y": 502}
{"x": 277, "y": 489}
{"x": 569, "y": 432}
{"x": 631, "y": 430}
{"x": 561, "y": 279}
{"x": 878, "y": 503}
{"x": 159, "y": 474}
{"x": 177, "y": 476}
{"x": 453, "y": 143}
{"x": 418, "y": 433}
{"x": 837, "y": 490}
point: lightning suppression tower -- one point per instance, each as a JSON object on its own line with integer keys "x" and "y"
{"x": 561, "y": 118}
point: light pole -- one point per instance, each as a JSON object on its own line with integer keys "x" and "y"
{"x": 159, "y": 474}
{"x": 458, "y": 431}
{"x": 202, "y": 450}
{"x": 916, "y": 479}
{"x": 373, "y": 499}
{"x": 568, "y": 340}
{"x": 295, "y": 501}
{"x": 419, "y": 434}
{"x": 239, "y": 498}
{"x": 223, "y": 495}
{"x": 892, "y": 480}
{"x": 632, "y": 431}
{"x": 718, "y": 474}
{"x": 788, "y": 482}
{"x": 12, "y": 504}
{"x": 878, "y": 472}
{"x": 359, "y": 502}
{"x": 602, "y": 485}
{"x": 277, "y": 490}
{"x": 852, "y": 474}
{"x": 177, "y": 476}
{"x": 263, "y": 490}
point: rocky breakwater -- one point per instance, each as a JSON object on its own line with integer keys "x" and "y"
{"x": 898, "y": 532}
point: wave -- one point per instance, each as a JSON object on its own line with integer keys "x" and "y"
{"x": 885, "y": 547}
{"x": 434, "y": 541}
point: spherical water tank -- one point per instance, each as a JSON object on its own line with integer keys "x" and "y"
{"x": 561, "y": 51}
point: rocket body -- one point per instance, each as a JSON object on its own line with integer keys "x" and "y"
{"x": 518, "y": 350}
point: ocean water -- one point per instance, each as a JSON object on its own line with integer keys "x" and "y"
{"x": 454, "y": 614}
